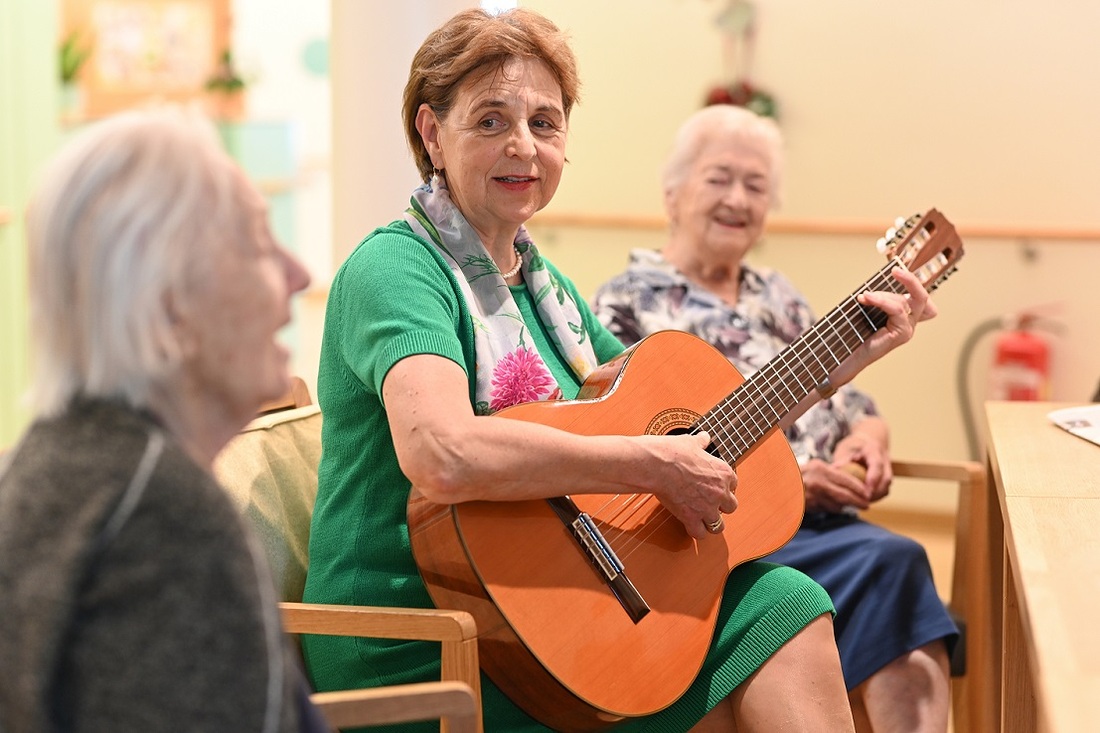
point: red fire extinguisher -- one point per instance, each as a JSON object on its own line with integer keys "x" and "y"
{"x": 1021, "y": 364}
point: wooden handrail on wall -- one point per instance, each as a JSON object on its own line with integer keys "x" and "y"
{"x": 820, "y": 227}
{"x": 273, "y": 186}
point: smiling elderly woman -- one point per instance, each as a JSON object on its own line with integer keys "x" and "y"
{"x": 893, "y": 632}
{"x": 132, "y": 597}
{"x": 450, "y": 314}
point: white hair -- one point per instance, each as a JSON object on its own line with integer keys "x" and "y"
{"x": 742, "y": 124}
{"x": 123, "y": 222}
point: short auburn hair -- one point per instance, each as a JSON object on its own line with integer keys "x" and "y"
{"x": 475, "y": 41}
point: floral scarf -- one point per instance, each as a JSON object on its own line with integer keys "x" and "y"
{"x": 510, "y": 370}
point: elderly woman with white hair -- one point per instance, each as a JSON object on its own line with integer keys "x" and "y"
{"x": 892, "y": 630}
{"x": 133, "y": 598}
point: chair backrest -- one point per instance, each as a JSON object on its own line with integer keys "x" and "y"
{"x": 296, "y": 396}
{"x": 270, "y": 471}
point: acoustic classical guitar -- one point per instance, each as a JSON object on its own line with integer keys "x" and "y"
{"x": 592, "y": 608}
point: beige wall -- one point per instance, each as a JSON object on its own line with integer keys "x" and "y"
{"x": 986, "y": 110}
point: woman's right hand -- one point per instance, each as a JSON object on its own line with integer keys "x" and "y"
{"x": 696, "y": 487}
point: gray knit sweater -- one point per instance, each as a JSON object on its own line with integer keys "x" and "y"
{"x": 130, "y": 596}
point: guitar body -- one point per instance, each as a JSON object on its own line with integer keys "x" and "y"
{"x": 553, "y": 636}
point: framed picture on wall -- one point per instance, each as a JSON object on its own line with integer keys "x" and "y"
{"x": 142, "y": 50}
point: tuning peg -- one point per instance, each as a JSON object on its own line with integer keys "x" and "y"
{"x": 900, "y": 222}
{"x": 880, "y": 245}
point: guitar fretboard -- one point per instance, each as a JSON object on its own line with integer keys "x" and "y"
{"x": 741, "y": 420}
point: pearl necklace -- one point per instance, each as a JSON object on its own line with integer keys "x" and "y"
{"x": 514, "y": 270}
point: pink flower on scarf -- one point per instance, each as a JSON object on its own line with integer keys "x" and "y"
{"x": 520, "y": 377}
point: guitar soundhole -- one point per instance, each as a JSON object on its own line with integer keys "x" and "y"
{"x": 678, "y": 421}
{"x": 673, "y": 421}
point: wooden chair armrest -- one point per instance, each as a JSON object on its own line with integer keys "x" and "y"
{"x": 456, "y": 631}
{"x": 967, "y": 473}
{"x": 454, "y": 703}
{"x": 430, "y": 624}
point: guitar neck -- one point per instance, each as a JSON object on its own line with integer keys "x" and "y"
{"x": 741, "y": 420}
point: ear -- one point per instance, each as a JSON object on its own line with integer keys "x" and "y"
{"x": 427, "y": 124}
{"x": 670, "y": 205}
{"x": 183, "y": 343}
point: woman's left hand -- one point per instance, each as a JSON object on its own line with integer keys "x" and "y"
{"x": 904, "y": 311}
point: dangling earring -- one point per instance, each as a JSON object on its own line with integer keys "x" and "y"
{"x": 437, "y": 179}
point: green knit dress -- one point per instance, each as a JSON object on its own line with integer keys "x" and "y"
{"x": 394, "y": 297}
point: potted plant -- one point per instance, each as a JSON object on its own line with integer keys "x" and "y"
{"x": 225, "y": 90}
{"x": 73, "y": 53}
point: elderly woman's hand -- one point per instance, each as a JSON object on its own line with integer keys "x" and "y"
{"x": 831, "y": 488}
{"x": 865, "y": 454}
{"x": 859, "y": 475}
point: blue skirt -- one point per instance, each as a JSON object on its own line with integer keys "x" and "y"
{"x": 881, "y": 585}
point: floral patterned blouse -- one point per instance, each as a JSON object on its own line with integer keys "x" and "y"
{"x": 651, "y": 295}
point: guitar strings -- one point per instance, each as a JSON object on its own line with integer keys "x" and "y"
{"x": 844, "y": 330}
{"x": 624, "y": 542}
{"x": 760, "y": 393}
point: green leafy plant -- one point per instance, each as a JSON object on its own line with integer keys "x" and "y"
{"x": 225, "y": 78}
{"x": 72, "y": 54}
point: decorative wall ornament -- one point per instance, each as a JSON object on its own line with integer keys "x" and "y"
{"x": 143, "y": 50}
{"x": 737, "y": 27}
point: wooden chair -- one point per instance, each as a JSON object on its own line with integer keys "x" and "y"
{"x": 270, "y": 471}
{"x": 972, "y": 668}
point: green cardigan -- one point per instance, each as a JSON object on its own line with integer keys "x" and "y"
{"x": 394, "y": 297}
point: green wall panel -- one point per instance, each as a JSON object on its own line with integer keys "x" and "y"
{"x": 28, "y": 134}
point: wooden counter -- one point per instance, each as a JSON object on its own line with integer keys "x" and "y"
{"x": 1047, "y": 484}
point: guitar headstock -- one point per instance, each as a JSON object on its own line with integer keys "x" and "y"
{"x": 926, "y": 244}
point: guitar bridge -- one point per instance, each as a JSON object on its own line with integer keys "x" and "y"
{"x": 593, "y": 544}
{"x": 584, "y": 529}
